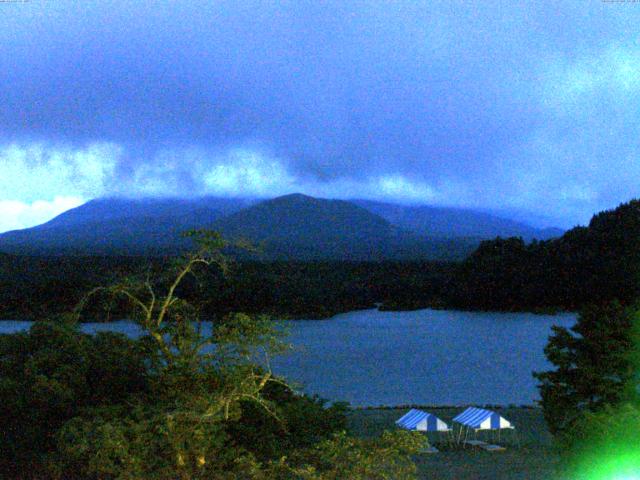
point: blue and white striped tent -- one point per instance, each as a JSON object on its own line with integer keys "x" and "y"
{"x": 421, "y": 422}
{"x": 481, "y": 419}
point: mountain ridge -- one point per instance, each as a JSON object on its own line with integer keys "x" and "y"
{"x": 448, "y": 222}
{"x": 294, "y": 226}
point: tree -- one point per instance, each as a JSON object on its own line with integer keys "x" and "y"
{"x": 593, "y": 367}
{"x": 203, "y": 385}
{"x": 52, "y": 373}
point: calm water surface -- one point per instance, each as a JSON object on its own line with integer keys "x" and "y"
{"x": 427, "y": 357}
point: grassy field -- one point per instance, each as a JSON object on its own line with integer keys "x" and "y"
{"x": 534, "y": 457}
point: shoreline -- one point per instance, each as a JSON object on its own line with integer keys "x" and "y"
{"x": 378, "y": 308}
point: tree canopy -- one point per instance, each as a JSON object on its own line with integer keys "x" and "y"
{"x": 184, "y": 401}
{"x": 593, "y": 366}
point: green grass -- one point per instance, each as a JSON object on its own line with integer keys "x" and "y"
{"x": 533, "y": 459}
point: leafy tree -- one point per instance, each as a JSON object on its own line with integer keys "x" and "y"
{"x": 593, "y": 367}
{"x": 49, "y": 375}
{"x": 203, "y": 387}
{"x": 300, "y": 422}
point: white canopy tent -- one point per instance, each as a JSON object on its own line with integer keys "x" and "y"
{"x": 422, "y": 422}
{"x": 480, "y": 419}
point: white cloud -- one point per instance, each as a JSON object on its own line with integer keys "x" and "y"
{"x": 244, "y": 170}
{"x": 39, "y": 181}
{"x": 584, "y": 85}
{"x": 549, "y": 172}
{"x": 398, "y": 187}
{"x": 41, "y": 172}
{"x": 15, "y": 214}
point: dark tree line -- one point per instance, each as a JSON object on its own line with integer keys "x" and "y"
{"x": 37, "y": 287}
{"x": 590, "y": 397}
{"x": 587, "y": 265}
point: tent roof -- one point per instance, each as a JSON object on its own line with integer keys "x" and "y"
{"x": 479, "y": 418}
{"x": 422, "y": 421}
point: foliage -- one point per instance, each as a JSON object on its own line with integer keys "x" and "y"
{"x": 37, "y": 287}
{"x": 153, "y": 440}
{"x": 605, "y": 444}
{"x": 204, "y": 406}
{"x": 162, "y": 447}
{"x": 384, "y": 458}
{"x": 299, "y": 422}
{"x": 198, "y": 381}
{"x": 51, "y": 374}
{"x": 593, "y": 367}
{"x": 594, "y": 264}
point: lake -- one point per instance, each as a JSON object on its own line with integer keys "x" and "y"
{"x": 425, "y": 357}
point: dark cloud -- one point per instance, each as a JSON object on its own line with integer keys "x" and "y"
{"x": 497, "y": 104}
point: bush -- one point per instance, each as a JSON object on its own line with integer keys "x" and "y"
{"x": 49, "y": 375}
{"x": 342, "y": 457}
{"x": 298, "y": 421}
{"x": 605, "y": 444}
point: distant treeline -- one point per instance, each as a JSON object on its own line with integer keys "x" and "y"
{"x": 587, "y": 265}
{"x": 38, "y": 287}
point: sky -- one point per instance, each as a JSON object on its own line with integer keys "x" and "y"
{"x": 525, "y": 107}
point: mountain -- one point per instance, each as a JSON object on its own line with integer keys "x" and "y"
{"x": 292, "y": 227}
{"x": 448, "y": 222}
{"x": 121, "y": 226}
{"x": 301, "y": 227}
{"x": 105, "y": 210}
{"x": 300, "y": 215}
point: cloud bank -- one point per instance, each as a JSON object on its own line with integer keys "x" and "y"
{"x": 15, "y": 214}
{"x": 507, "y": 105}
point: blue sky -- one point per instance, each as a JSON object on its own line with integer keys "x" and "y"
{"x": 515, "y": 106}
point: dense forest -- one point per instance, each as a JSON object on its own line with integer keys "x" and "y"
{"x": 587, "y": 265}
{"x": 36, "y": 287}
{"x": 592, "y": 264}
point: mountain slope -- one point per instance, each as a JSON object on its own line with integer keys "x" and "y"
{"x": 108, "y": 209}
{"x": 303, "y": 217}
{"x": 293, "y": 227}
{"x": 120, "y": 226}
{"x": 447, "y": 222}
{"x": 301, "y": 227}
{"x": 587, "y": 265}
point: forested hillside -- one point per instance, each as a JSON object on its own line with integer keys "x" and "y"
{"x": 589, "y": 264}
